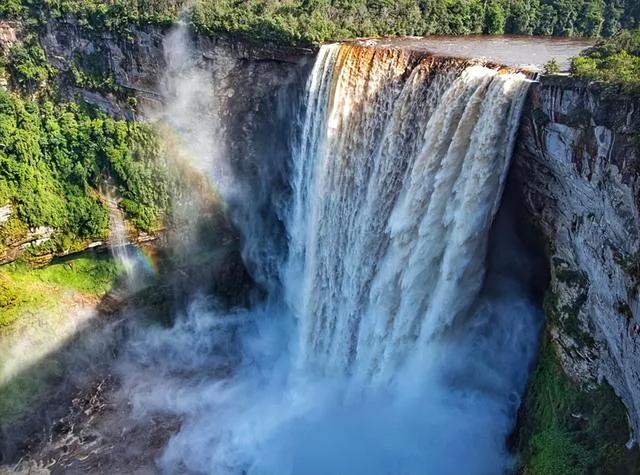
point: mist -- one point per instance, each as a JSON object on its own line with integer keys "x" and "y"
{"x": 449, "y": 412}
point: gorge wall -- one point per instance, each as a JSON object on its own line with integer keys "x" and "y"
{"x": 577, "y": 163}
{"x": 136, "y": 61}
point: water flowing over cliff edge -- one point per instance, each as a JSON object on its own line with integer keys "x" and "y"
{"x": 383, "y": 344}
{"x": 396, "y": 182}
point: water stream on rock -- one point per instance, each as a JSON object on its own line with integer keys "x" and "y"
{"x": 119, "y": 242}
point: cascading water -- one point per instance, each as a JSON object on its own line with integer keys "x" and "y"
{"x": 390, "y": 349}
{"x": 397, "y": 181}
{"x": 119, "y": 244}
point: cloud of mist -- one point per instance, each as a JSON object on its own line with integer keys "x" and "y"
{"x": 448, "y": 412}
{"x": 191, "y": 105}
{"x": 247, "y": 408}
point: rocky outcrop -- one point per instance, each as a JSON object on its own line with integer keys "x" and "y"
{"x": 578, "y": 164}
{"x": 136, "y": 60}
{"x": 10, "y": 32}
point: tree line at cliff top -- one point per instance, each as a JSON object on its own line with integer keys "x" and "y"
{"x": 314, "y": 21}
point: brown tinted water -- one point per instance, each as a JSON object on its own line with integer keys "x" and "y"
{"x": 525, "y": 52}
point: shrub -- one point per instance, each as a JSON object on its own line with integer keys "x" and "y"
{"x": 615, "y": 62}
{"x": 552, "y": 67}
{"x": 28, "y": 64}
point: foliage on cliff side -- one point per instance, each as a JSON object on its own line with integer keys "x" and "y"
{"x": 54, "y": 156}
{"x": 615, "y": 62}
{"x": 309, "y": 21}
{"x": 570, "y": 430}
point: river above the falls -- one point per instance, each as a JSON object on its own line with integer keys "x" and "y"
{"x": 523, "y": 52}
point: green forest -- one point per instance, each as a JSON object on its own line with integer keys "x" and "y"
{"x": 314, "y": 21}
{"x": 56, "y": 158}
{"x": 54, "y": 155}
{"x": 614, "y": 61}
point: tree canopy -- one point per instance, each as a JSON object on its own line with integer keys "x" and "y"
{"x": 314, "y": 21}
{"x": 614, "y": 61}
{"x": 53, "y": 158}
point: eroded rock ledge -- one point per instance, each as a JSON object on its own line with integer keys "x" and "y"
{"x": 137, "y": 61}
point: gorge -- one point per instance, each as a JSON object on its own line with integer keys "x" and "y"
{"x": 398, "y": 217}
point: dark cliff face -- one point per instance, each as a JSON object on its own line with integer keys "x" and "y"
{"x": 577, "y": 163}
{"x": 251, "y": 115}
{"x": 137, "y": 62}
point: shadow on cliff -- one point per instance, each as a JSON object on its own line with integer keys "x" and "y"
{"x": 69, "y": 386}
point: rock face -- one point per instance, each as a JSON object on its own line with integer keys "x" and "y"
{"x": 578, "y": 165}
{"x": 248, "y": 104}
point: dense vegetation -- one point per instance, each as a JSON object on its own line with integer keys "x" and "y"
{"x": 53, "y": 158}
{"x": 61, "y": 163}
{"x": 308, "y": 21}
{"x": 570, "y": 430}
{"x": 57, "y": 157}
{"x": 615, "y": 61}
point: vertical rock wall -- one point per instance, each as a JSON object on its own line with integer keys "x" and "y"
{"x": 578, "y": 164}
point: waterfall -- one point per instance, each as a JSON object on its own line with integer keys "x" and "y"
{"x": 400, "y": 339}
{"x": 397, "y": 179}
{"x": 119, "y": 243}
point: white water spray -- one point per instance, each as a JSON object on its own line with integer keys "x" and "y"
{"x": 119, "y": 244}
